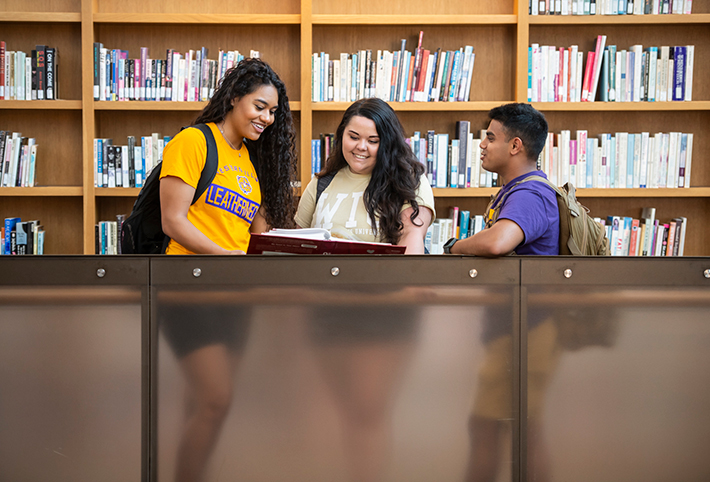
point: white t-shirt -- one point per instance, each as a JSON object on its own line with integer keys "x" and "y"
{"x": 341, "y": 209}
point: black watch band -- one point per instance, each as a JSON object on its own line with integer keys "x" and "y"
{"x": 449, "y": 244}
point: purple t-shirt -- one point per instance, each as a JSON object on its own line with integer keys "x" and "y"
{"x": 533, "y": 206}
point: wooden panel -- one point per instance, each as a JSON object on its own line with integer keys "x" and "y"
{"x": 279, "y": 45}
{"x": 601, "y": 122}
{"x": 204, "y": 6}
{"x": 412, "y": 7}
{"x": 108, "y": 207}
{"x": 623, "y": 36}
{"x": 66, "y": 38}
{"x": 40, "y": 6}
{"x": 58, "y": 138}
{"x": 61, "y": 218}
{"x": 494, "y": 67}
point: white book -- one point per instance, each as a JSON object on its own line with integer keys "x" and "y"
{"x": 582, "y": 158}
{"x": 689, "y": 59}
{"x": 638, "y": 80}
{"x": 572, "y": 73}
{"x": 475, "y": 161}
{"x": 592, "y": 157}
{"x": 424, "y": 96}
{"x": 180, "y": 97}
{"x": 662, "y": 94}
{"x": 622, "y": 143}
{"x": 688, "y": 160}
{"x": 336, "y": 80}
{"x": 442, "y": 151}
{"x": 673, "y": 150}
{"x": 124, "y": 167}
{"x": 563, "y": 157}
{"x": 652, "y": 73}
{"x": 469, "y": 81}
{"x": 553, "y": 64}
{"x": 578, "y": 81}
{"x": 669, "y": 76}
{"x": 638, "y": 7}
{"x": 643, "y": 168}
{"x": 565, "y": 75}
{"x": 654, "y": 161}
{"x": 544, "y": 72}
{"x": 29, "y": 93}
{"x": 535, "y": 69}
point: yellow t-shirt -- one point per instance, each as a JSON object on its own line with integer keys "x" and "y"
{"x": 227, "y": 208}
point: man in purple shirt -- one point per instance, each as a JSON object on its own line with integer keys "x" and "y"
{"x": 528, "y": 222}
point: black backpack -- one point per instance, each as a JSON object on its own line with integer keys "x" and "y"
{"x": 142, "y": 231}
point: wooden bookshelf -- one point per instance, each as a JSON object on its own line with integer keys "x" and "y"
{"x": 287, "y": 33}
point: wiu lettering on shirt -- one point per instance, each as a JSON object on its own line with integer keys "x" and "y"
{"x": 232, "y": 202}
{"x": 325, "y": 212}
{"x": 239, "y": 170}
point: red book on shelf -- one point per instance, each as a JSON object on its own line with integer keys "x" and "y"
{"x": 587, "y": 76}
{"x": 598, "y": 57}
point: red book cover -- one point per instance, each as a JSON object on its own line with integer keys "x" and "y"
{"x": 275, "y": 244}
{"x": 421, "y": 81}
{"x": 587, "y": 76}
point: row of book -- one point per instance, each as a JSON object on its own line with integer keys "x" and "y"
{"x": 609, "y": 7}
{"x": 187, "y": 77}
{"x": 18, "y": 157}
{"x": 126, "y": 165}
{"x": 399, "y": 76}
{"x": 646, "y": 236}
{"x": 107, "y": 235}
{"x": 29, "y": 77}
{"x": 619, "y": 160}
{"x": 21, "y": 237}
{"x": 651, "y": 74}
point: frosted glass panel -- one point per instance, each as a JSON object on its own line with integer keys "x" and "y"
{"x": 70, "y": 384}
{"x": 627, "y": 397}
{"x": 311, "y": 384}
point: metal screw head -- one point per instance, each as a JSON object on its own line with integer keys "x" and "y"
{"x": 567, "y": 273}
{"x": 473, "y": 273}
{"x": 100, "y": 272}
{"x": 196, "y": 272}
{"x": 335, "y": 271}
{"x": 707, "y": 273}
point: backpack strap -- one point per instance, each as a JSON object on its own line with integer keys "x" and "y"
{"x": 323, "y": 183}
{"x": 211, "y": 162}
{"x": 493, "y": 209}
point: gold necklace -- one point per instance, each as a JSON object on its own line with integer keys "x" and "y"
{"x": 239, "y": 153}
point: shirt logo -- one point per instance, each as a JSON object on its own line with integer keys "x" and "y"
{"x": 232, "y": 202}
{"x": 244, "y": 185}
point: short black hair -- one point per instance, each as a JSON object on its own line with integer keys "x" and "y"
{"x": 523, "y": 121}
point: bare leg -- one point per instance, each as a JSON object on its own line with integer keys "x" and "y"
{"x": 209, "y": 374}
{"x": 363, "y": 380}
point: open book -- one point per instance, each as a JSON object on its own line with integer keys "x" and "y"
{"x": 314, "y": 241}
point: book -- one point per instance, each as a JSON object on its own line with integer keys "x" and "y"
{"x": 291, "y": 242}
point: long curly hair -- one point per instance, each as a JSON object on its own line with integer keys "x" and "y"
{"x": 275, "y": 149}
{"x": 396, "y": 176}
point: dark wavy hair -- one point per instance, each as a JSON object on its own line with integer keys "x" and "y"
{"x": 397, "y": 172}
{"x": 275, "y": 149}
{"x": 525, "y": 122}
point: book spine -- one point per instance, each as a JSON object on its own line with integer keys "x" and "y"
{"x": 41, "y": 71}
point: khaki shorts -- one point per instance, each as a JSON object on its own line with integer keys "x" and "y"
{"x": 494, "y": 396}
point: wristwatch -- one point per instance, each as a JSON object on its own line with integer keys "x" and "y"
{"x": 449, "y": 244}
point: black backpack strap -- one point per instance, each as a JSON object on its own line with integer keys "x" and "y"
{"x": 323, "y": 183}
{"x": 211, "y": 162}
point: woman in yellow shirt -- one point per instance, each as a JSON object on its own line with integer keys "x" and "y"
{"x": 251, "y": 121}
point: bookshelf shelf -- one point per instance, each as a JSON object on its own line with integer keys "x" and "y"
{"x": 40, "y": 104}
{"x": 131, "y": 192}
{"x": 422, "y": 20}
{"x": 619, "y": 19}
{"x": 699, "y": 192}
{"x": 622, "y": 106}
{"x": 160, "y": 106}
{"x": 37, "y": 17}
{"x": 417, "y": 106}
{"x": 195, "y": 18}
{"x": 48, "y": 191}
{"x": 482, "y": 192}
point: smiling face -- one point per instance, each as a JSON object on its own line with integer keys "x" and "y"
{"x": 253, "y": 113}
{"x": 360, "y": 144}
